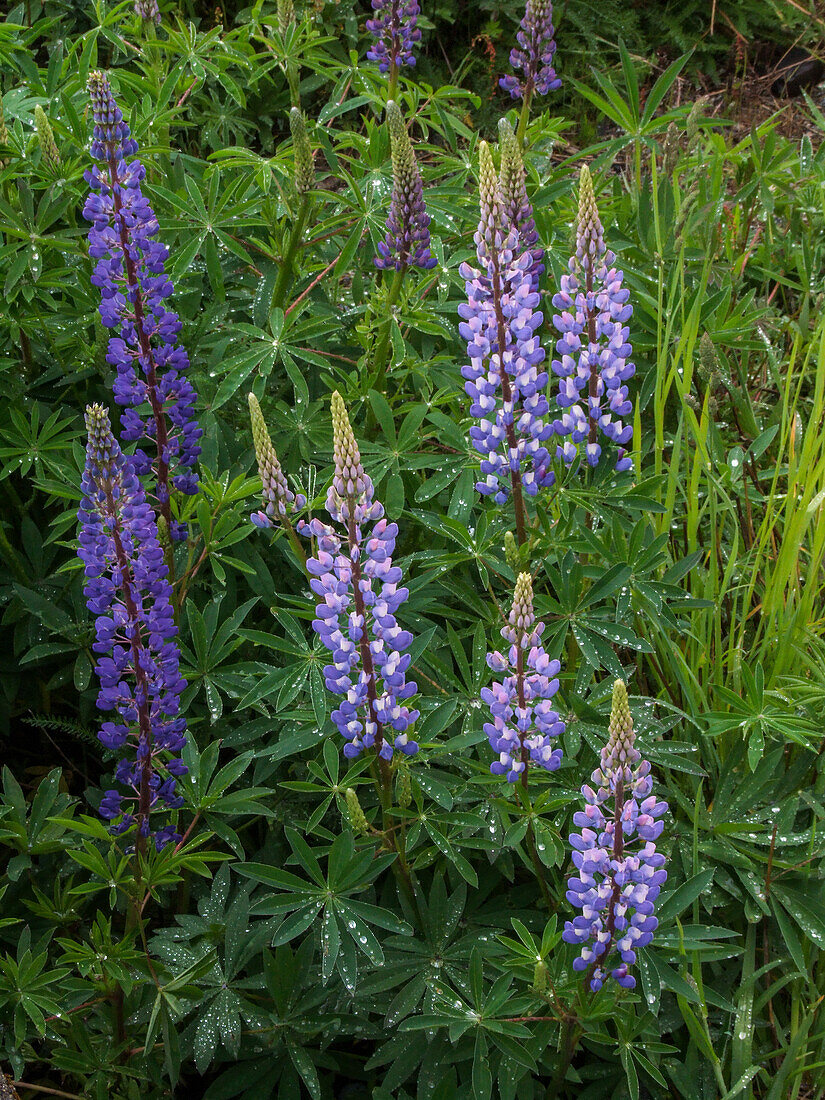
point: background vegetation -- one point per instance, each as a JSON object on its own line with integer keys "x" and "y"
{"x": 700, "y": 579}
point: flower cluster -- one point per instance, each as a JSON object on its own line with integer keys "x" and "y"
{"x": 45, "y": 138}
{"x": 407, "y": 243}
{"x": 148, "y": 10}
{"x": 593, "y": 349}
{"x": 278, "y": 499}
{"x": 129, "y": 271}
{"x": 620, "y": 873}
{"x": 127, "y": 589}
{"x": 395, "y": 32}
{"x": 524, "y": 725}
{"x": 304, "y": 163}
{"x": 503, "y": 377}
{"x": 516, "y": 208}
{"x": 534, "y": 53}
{"x": 359, "y": 595}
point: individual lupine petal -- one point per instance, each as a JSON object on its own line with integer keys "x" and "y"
{"x": 304, "y": 165}
{"x": 517, "y": 210}
{"x": 534, "y": 53}
{"x": 278, "y": 499}
{"x": 407, "y": 243}
{"x": 620, "y": 873}
{"x": 395, "y": 32}
{"x": 594, "y": 346}
{"x": 127, "y": 589}
{"x": 359, "y": 595}
{"x": 45, "y": 137}
{"x": 130, "y": 271}
{"x": 148, "y": 10}
{"x": 504, "y": 378}
{"x": 524, "y": 726}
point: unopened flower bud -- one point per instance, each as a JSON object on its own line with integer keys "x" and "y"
{"x": 304, "y": 165}
{"x": 45, "y": 136}
{"x": 357, "y": 818}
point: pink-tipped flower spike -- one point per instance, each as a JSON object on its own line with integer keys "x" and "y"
{"x": 278, "y": 499}
{"x": 594, "y": 347}
{"x": 620, "y": 873}
{"x": 524, "y": 724}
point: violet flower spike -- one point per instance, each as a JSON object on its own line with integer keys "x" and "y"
{"x": 127, "y": 589}
{"x": 359, "y": 595}
{"x": 148, "y": 10}
{"x": 620, "y": 873}
{"x": 504, "y": 378}
{"x": 129, "y": 270}
{"x": 594, "y": 347}
{"x": 534, "y": 53}
{"x": 517, "y": 210}
{"x": 524, "y": 725}
{"x": 407, "y": 243}
{"x": 395, "y": 32}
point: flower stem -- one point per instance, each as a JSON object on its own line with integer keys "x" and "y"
{"x": 569, "y": 1041}
{"x": 392, "y": 87}
{"x": 382, "y": 345}
{"x": 285, "y": 271}
{"x": 524, "y": 117}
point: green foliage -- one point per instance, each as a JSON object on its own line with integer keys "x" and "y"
{"x": 285, "y": 947}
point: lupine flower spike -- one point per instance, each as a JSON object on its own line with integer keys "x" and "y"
{"x": 286, "y": 19}
{"x": 593, "y": 351}
{"x": 129, "y": 270}
{"x": 304, "y": 165}
{"x": 620, "y": 873}
{"x": 505, "y": 380}
{"x": 359, "y": 595}
{"x": 127, "y": 589}
{"x": 279, "y": 501}
{"x": 45, "y": 137}
{"x": 534, "y": 54}
{"x": 517, "y": 210}
{"x": 395, "y": 32}
{"x": 407, "y": 243}
{"x": 148, "y": 10}
{"x": 524, "y": 725}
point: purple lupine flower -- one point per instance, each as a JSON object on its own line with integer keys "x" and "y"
{"x": 278, "y": 498}
{"x": 407, "y": 243}
{"x": 524, "y": 725}
{"x": 129, "y": 270}
{"x": 395, "y": 32}
{"x": 534, "y": 53}
{"x": 127, "y": 588}
{"x": 148, "y": 9}
{"x": 359, "y": 595}
{"x": 504, "y": 378}
{"x": 517, "y": 210}
{"x": 594, "y": 348}
{"x": 620, "y": 873}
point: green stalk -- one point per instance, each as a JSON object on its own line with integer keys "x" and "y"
{"x": 282, "y": 282}
{"x": 524, "y": 117}
{"x": 393, "y": 84}
{"x": 382, "y": 346}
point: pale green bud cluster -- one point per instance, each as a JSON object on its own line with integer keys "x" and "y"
{"x": 304, "y": 166}
{"x": 589, "y": 232}
{"x": 403, "y": 157}
{"x": 512, "y": 180}
{"x": 45, "y": 136}
{"x": 357, "y": 817}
